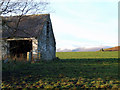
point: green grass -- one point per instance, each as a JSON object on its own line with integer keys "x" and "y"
{"x": 79, "y": 55}
{"x": 73, "y": 70}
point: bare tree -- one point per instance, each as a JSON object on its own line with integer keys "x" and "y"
{"x": 21, "y": 8}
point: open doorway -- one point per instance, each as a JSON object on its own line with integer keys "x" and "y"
{"x": 19, "y": 48}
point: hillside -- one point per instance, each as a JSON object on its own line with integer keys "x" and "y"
{"x": 117, "y": 48}
{"x": 82, "y": 49}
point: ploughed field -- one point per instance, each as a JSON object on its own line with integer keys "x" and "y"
{"x": 74, "y": 70}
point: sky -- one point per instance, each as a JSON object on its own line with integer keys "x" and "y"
{"x": 84, "y": 23}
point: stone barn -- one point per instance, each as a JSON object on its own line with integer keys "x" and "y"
{"x": 34, "y": 34}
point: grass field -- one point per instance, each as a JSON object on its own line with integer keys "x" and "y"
{"x": 74, "y": 70}
{"x": 86, "y": 55}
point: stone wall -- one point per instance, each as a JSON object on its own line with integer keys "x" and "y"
{"x": 3, "y": 44}
{"x": 46, "y": 42}
{"x": 42, "y": 44}
{"x": 51, "y": 44}
{"x": 34, "y": 46}
{"x": 5, "y": 50}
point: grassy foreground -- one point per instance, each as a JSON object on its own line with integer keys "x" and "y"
{"x": 73, "y": 70}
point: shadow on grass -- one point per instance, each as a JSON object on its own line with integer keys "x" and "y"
{"x": 54, "y": 70}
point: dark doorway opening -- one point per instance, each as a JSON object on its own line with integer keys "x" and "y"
{"x": 19, "y": 48}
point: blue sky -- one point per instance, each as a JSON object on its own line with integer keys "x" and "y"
{"x": 84, "y": 23}
{"x": 89, "y": 23}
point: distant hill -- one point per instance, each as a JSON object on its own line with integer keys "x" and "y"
{"x": 82, "y": 49}
{"x": 117, "y": 48}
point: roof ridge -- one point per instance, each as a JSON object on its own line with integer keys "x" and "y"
{"x": 28, "y": 15}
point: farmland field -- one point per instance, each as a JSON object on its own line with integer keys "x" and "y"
{"x": 74, "y": 70}
{"x": 86, "y": 55}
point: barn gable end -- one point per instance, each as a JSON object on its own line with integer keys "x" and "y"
{"x": 46, "y": 41}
